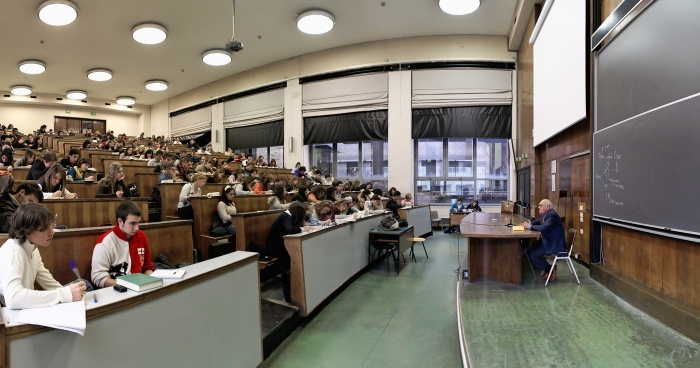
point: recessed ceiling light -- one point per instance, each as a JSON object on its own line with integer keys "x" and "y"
{"x": 99, "y": 75}
{"x": 459, "y": 7}
{"x": 156, "y": 85}
{"x": 21, "y": 90}
{"x": 149, "y": 33}
{"x": 126, "y": 100}
{"x": 32, "y": 67}
{"x": 216, "y": 57}
{"x": 58, "y": 12}
{"x": 76, "y": 94}
{"x": 315, "y": 22}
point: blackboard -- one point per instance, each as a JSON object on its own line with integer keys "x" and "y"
{"x": 646, "y": 166}
{"x": 646, "y": 170}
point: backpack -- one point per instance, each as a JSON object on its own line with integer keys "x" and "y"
{"x": 388, "y": 223}
{"x": 155, "y": 195}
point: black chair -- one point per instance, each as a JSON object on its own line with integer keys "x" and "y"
{"x": 383, "y": 247}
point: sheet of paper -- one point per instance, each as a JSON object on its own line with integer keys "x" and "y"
{"x": 168, "y": 274}
{"x": 65, "y": 316}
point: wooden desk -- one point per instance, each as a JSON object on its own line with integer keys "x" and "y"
{"x": 402, "y": 236}
{"x": 90, "y": 212}
{"x": 216, "y": 304}
{"x": 324, "y": 260}
{"x": 456, "y": 218}
{"x": 170, "y": 194}
{"x": 171, "y": 238}
{"x": 419, "y": 217}
{"x": 493, "y": 249}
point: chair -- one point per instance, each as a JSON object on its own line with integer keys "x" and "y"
{"x": 417, "y": 240}
{"x": 567, "y": 257}
{"x": 385, "y": 247}
{"x": 435, "y": 220}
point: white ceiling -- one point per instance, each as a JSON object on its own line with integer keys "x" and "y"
{"x": 101, "y": 38}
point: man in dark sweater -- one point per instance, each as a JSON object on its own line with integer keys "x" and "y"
{"x": 72, "y": 159}
{"x": 40, "y": 166}
{"x": 26, "y": 192}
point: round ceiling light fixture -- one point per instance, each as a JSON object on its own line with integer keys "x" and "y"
{"x": 459, "y": 7}
{"x": 216, "y": 57}
{"x": 21, "y": 90}
{"x": 32, "y": 67}
{"x": 76, "y": 94}
{"x": 58, "y": 12}
{"x": 99, "y": 75}
{"x": 126, "y": 100}
{"x": 156, "y": 85}
{"x": 149, "y": 33}
{"x": 315, "y": 22}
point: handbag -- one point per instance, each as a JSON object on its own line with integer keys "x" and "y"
{"x": 388, "y": 223}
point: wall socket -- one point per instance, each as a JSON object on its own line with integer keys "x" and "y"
{"x": 581, "y": 231}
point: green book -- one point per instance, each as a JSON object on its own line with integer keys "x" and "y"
{"x": 139, "y": 282}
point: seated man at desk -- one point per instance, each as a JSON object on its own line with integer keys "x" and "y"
{"x": 122, "y": 250}
{"x": 21, "y": 266}
{"x": 553, "y": 237}
{"x": 458, "y": 206}
{"x": 9, "y": 203}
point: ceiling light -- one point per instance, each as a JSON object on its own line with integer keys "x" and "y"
{"x": 156, "y": 85}
{"x": 58, "y": 12}
{"x": 126, "y": 100}
{"x": 149, "y": 33}
{"x": 76, "y": 94}
{"x": 21, "y": 90}
{"x": 459, "y": 7}
{"x": 315, "y": 22}
{"x": 216, "y": 57}
{"x": 99, "y": 75}
{"x": 32, "y": 67}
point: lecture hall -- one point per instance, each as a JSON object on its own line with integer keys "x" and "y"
{"x": 396, "y": 183}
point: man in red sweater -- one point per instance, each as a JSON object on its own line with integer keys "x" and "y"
{"x": 122, "y": 250}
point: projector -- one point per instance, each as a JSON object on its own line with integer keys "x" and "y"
{"x": 234, "y": 46}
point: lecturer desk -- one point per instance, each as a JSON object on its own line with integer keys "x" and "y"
{"x": 210, "y": 318}
{"x": 493, "y": 249}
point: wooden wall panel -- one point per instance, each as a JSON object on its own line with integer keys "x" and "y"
{"x": 664, "y": 264}
{"x": 524, "y": 142}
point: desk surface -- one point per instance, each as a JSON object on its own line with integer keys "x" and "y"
{"x": 493, "y": 225}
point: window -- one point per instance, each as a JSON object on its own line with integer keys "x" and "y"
{"x": 470, "y": 168}
{"x": 363, "y": 161}
{"x": 269, "y": 153}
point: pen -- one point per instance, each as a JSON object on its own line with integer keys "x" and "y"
{"x": 95, "y": 297}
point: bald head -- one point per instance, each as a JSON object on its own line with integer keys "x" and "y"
{"x": 545, "y": 205}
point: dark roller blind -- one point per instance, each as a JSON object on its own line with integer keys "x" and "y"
{"x": 258, "y": 135}
{"x": 353, "y": 127}
{"x": 472, "y": 122}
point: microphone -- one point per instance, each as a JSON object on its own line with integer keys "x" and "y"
{"x": 74, "y": 267}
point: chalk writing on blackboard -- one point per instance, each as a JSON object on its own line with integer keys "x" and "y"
{"x": 609, "y": 160}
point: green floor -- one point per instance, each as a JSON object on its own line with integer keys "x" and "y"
{"x": 384, "y": 320}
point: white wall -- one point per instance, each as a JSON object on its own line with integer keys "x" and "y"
{"x": 29, "y": 117}
{"x": 160, "y": 122}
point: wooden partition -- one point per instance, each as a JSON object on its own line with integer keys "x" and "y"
{"x": 419, "y": 217}
{"x": 253, "y": 227}
{"x": 171, "y": 238}
{"x": 97, "y": 156}
{"x": 90, "y": 212}
{"x": 84, "y": 189}
{"x": 204, "y": 214}
{"x": 145, "y": 182}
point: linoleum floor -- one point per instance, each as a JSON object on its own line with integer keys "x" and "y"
{"x": 384, "y": 320}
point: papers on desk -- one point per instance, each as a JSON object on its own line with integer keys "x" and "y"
{"x": 64, "y": 316}
{"x": 169, "y": 274}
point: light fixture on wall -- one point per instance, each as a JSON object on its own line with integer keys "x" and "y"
{"x": 149, "y": 33}
{"x": 156, "y": 85}
{"x": 459, "y": 7}
{"x": 58, "y": 12}
{"x": 126, "y": 100}
{"x": 32, "y": 67}
{"x": 217, "y": 137}
{"x": 291, "y": 144}
{"x": 315, "y": 22}
{"x": 99, "y": 75}
{"x": 21, "y": 90}
{"x": 216, "y": 57}
{"x": 76, "y": 94}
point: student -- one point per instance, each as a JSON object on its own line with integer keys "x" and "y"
{"x": 168, "y": 173}
{"x": 393, "y": 204}
{"x": 317, "y": 194}
{"x": 27, "y": 192}
{"x": 288, "y": 222}
{"x": 123, "y": 250}
{"x": 474, "y": 206}
{"x": 325, "y": 212}
{"x": 80, "y": 171}
{"x": 458, "y": 206}
{"x": 21, "y": 265}
{"x": 27, "y": 160}
{"x": 407, "y": 201}
{"x": 184, "y": 207}
{"x": 72, "y": 159}
{"x": 245, "y": 187}
{"x": 225, "y": 208}
{"x": 112, "y": 185}
{"x": 262, "y": 187}
{"x": 6, "y": 159}
{"x": 39, "y": 167}
{"x": 273, "y": 163}
{"x": 278, "y": 200}
{"x": 53, "y": 183}
{"x": 375, "y": 205}
{"x": 301, "y": 194}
